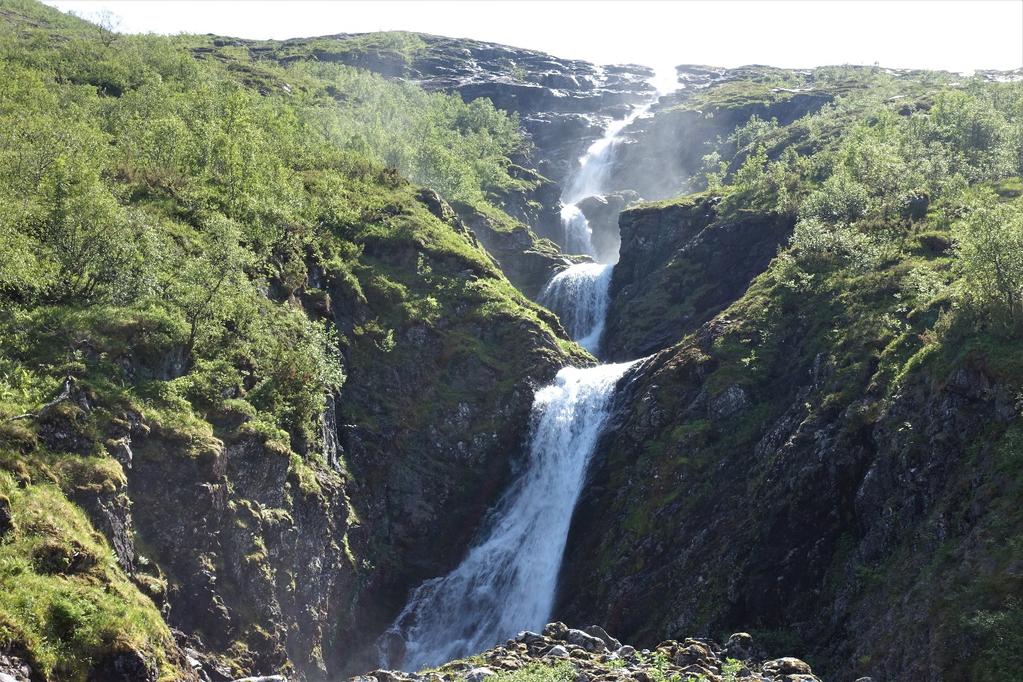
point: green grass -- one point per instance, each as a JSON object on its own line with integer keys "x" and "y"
{"x": 561, "y": 671}
{"x": 64, "y": 601}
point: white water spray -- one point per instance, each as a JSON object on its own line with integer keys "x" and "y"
{"x": 507, "y": 581}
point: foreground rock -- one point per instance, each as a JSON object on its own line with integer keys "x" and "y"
{"x": 594, "y": 655}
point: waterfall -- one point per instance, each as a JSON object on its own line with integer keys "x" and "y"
{"x": 595, "y": 165}
{"x": 507, "y": 581}
{"x": 578, "y": 296}
{"x": 508, "y": 578}
{"x": 578, "y": 236}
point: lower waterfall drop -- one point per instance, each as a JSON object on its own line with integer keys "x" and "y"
{"x": 507, "y": 580}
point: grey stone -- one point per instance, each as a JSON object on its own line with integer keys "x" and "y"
{"x": 730, "y": 402}
{"x": 599, "y": 632}
{"x": 739, "y": 646}
{"x": 479, "y": 674}
{"x": 528, "y": 637}
{"x": 587, "y": 642}
{"x": 557, "y": 651}
{"x": 787, "y": 666}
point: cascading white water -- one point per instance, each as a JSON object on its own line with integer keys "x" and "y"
{"x": 578, "y": 296}
{"x": 578, "y": 235}
{"x": 507, "y": 581}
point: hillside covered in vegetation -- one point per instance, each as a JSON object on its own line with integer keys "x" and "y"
{"x": 824, "y": 446}
{"x": 228, "y": 320}
{"x": 268, "y": 354}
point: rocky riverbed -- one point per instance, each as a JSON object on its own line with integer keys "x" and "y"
{"x": 592, "y": 655}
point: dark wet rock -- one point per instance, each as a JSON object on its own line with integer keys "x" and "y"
{"x": 123, "y": 666}
{"x": 6, "y": 516}
{"x": 680, "y": 264}
{"x": 602, "y": 214}
{"x": 15, "y": 669}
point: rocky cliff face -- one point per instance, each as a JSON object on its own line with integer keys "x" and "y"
{"x": 681, "y": 263}
{"x": 430, "y": 429}
{"x": 801, "y": 519}
{"x": 264, "y": 560}
{"x": 563, "y": 104}
{"x": 786, "y": 467}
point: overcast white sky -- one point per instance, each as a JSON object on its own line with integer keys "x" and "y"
{"x": 944, "y": 34}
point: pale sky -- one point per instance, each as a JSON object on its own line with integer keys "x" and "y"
{"x": 944, "y": 34}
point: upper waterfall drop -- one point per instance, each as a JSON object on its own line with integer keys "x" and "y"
{"x": 578, "y": 295}
{"x": 507, "y": 581}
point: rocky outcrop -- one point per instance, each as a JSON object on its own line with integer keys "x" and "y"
{"x": 527, "y": 261}
{"x": 274, "y": 556}
{"x": 680, "y": 264}
{"x": 791, "y": 496}
{"x": 563, "y": 104}
{"x": 591, "y": 654}
{"x": 602, "y": 214}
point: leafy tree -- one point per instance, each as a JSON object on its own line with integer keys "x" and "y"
{"x": 989, "y": 260}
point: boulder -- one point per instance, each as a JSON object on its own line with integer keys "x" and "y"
{"x": 555, "y": 630}
{"x": 739, "y": 646}
{"x": 694, "y": 652}
{"x": 479, "y": 674}
{"x": 587, "y": 642}
{"x": 787, "y": 666}
{"x": 557, "y": 651}
{"x": 599, "y": 632}
{"x": 528, "y": 637}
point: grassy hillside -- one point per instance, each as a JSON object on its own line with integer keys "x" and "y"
{"x": 827, "y": 458}
{"x": 204, "y": 259}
